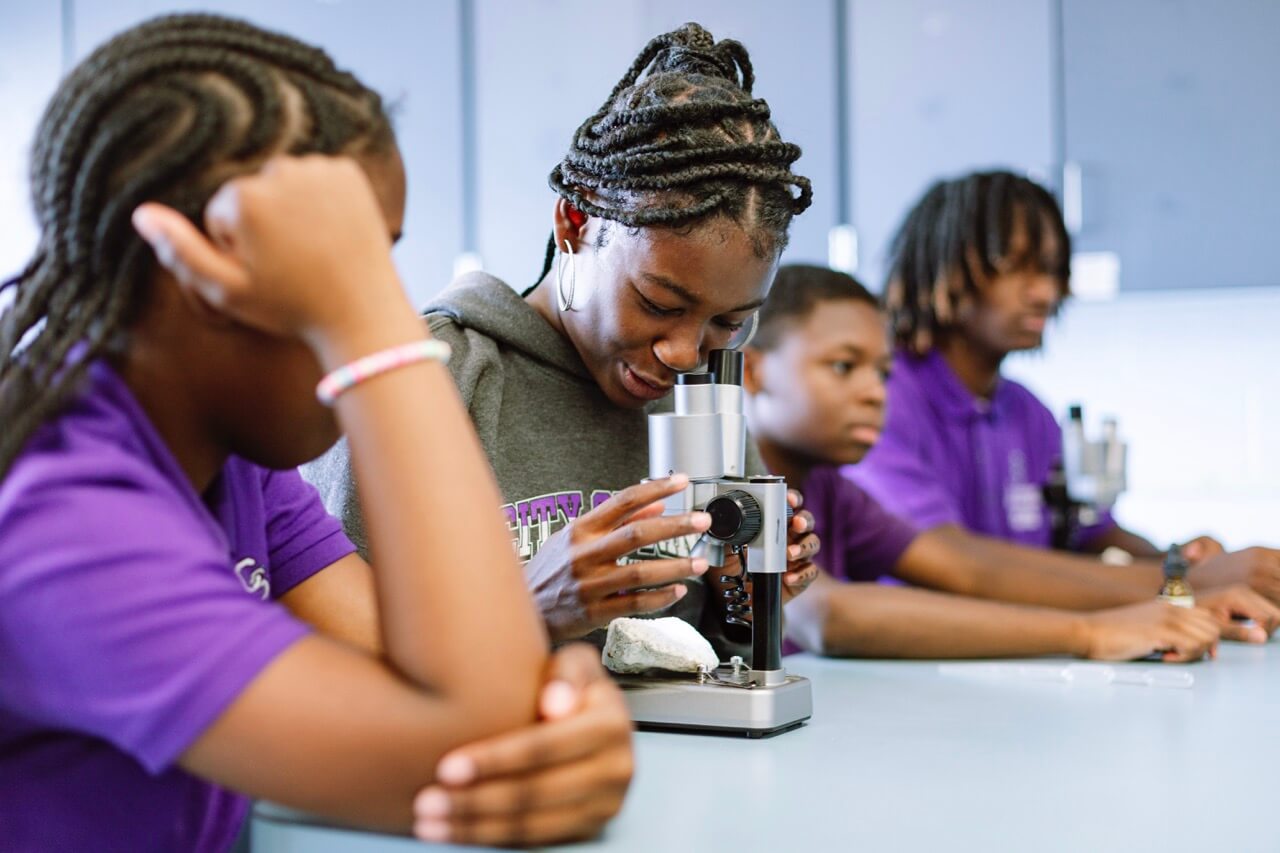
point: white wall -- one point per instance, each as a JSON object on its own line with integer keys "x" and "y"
{"x": 1191, "y": 376}
{"x": 30, "y": 65}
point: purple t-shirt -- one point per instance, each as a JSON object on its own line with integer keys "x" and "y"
{"x": 132, "y": 612}
{"x": 861, "y": 542}
{"x": 949, "y": 457}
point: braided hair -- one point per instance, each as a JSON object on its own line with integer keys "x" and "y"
{"x": 685, "y": 143}
{"x": 166, "y": 112}
{"x": 797, "y": 290}
{"x": 958, "y": 238}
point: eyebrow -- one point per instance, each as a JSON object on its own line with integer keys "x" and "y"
{"x": 690, "y": 297}
{"x": 843, "y": 349}
{"x": 860, "y": 354}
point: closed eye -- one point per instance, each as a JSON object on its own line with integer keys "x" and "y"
{"x": 730, "y": 325}
{"x": 654, "y": 308}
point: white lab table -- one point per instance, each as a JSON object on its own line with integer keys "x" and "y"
{"x": 899, "y": 756}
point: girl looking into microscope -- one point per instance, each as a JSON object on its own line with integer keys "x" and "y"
{"x": 672, "y": 207}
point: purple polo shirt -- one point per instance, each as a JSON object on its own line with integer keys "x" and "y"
{"x": 861, "y": 542}
{"x": 949, "y": 457}
{"x": 132, "y": 612}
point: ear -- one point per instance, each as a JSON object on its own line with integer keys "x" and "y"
{"x": 192, "y": 303}
{"x": 188, "y": 261}
{"x": 752, "y": 370}
{"x": 570, "y": 224}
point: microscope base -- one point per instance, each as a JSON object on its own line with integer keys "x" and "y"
{"x": 671, "y": 704}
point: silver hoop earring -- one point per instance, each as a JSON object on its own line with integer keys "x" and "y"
{"x": 566, "y": 301}
{"x": 748, "y": 331}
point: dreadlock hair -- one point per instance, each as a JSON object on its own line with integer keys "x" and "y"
{"x": 683, "y": 144}
{"x": 166, "y": 111}
{"x": 798, "y": 289}
{"x": 959, "y": 237}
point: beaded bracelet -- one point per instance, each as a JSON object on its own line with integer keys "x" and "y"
{"x": 350, "y": 375}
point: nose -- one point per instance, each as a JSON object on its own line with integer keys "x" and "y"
{"x": 681, "y": 350}
{"x": 871, "y": 390}
{"x": 1044, "y": 291}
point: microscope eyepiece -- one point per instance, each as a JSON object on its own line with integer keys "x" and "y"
{"x": 726, "y": 366}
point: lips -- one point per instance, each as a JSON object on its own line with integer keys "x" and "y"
{"x": 1034, "y": 323}
{"x": 864, "y": 433}
{"x": 641, "y": 387}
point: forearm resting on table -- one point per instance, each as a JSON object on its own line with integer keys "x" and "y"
{"x": 1116, "y": 536}
{"x": 951, "y": 559}
{"x": 879, "y": 621}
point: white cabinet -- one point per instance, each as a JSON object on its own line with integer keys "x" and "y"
{"x": 938, "y": 88}
{"x": 408, "y": 51}
{"x": 30, "y": 66}
{"x": 1171, "y": 118}
{"x": 544, "y": 67}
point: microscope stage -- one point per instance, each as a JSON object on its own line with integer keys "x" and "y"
{"x": 682, "y": 704}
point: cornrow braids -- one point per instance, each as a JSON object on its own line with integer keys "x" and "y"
{"x": 165, "y": 112}
{"x": 958, "y": 238}
{"x": 797, "y": 290}
{"x": 681, "y": 139}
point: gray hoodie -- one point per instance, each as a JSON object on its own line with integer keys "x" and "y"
{"x": 556, "y": 443}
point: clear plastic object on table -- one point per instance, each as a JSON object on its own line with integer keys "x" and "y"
{"x": 1085, "y": 674}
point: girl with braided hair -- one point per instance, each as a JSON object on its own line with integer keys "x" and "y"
{"x": 672, "y": 206}
{"x": 182, "y": 626}
{"x": 977, "y": 268}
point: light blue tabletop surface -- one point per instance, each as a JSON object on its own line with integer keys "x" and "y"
{"x": 902, "y": 756}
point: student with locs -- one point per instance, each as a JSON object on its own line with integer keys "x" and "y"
{"x": 977, "y": 269}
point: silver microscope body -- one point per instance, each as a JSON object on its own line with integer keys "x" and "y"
{"x": 1091, "y": 477}
{"x": 1094, "y": 469}
{"x": 705, "y": 437}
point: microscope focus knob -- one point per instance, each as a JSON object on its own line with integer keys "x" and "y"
{"x": 735, "y": 517}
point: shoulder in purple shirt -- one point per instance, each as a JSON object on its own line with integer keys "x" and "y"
{"x": 860, "y": 540}
{"x": 132, "y": 612}
{"x": 949, "y": 457}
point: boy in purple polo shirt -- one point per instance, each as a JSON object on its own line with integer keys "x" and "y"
{"x": 978, "y": 267}
{"x": 182, "y": 626}
{"x": 816, "y": 400}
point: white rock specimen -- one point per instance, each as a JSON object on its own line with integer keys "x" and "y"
{"x": 636, "y": 645}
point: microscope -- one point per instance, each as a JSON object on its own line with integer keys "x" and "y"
{"x": 1089, "y": 479}
{"x": 705, "y": 437}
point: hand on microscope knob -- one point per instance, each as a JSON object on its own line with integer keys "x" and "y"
{"x": 802, "y": 546}
{"x": 575, "y": 576}
{"x": 559, "y": 779}
{"x": 1202, "y": 548}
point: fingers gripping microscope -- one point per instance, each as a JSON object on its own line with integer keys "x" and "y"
{"x": 705, "y": 437}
